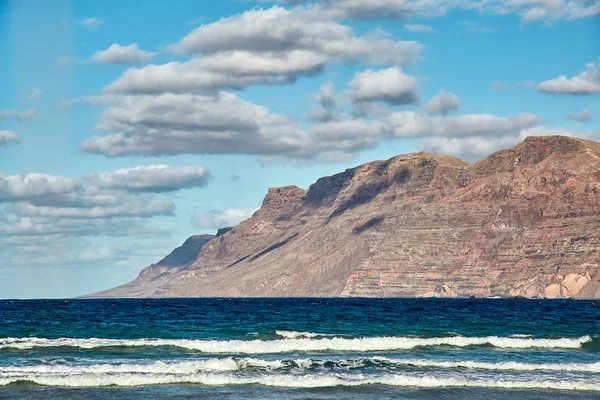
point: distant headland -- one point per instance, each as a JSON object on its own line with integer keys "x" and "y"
{"x": 523, "y": 222}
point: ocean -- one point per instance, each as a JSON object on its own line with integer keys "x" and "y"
{"x": 299, "y": 349}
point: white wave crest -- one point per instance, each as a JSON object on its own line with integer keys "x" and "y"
{"x": 230, "y": 364}
{"x": 292, "y": 381}
{"x": 364, "y": 344}
{"x": 296, "y": 335}
{"x": 497, "y": 366}
{"x": 159, "y": 367}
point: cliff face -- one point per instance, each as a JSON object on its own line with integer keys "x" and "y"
{"x": 521, "y": 222}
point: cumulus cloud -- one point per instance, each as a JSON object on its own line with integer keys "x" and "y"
{"x": 418, "y": 28}
{"x": 7, "y": 137}
{"x": 117, "y": 54}
{"x": 476, "y": 147}
{"x": 279, "y": 29}
{"x": 443, "y": 103}
{"x": 346, "y": 136}
{"x": 208, "y": 74}
{"x": 188, "y": 124}
{"x": 18, "y": 187}
{"x": 263, "y": 46}
{"x": 222, "y": 218}
{"x": 389, "y": 85}
{"x": 225, "y": 124}
{"x": 410, "y": 124}
{"x": 152, "y": 178}
{"x": 91, "y": 23}
{"x": 17, "y": 115}
{"x": 585, "y": 83}
{"x": 470, "y": 148}
{"x": 581, "y": 116}
{"x": 110, "y": 204}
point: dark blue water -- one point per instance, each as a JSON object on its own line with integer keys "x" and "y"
{"x": 300, "y": 349}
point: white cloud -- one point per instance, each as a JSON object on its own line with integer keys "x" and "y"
{"x": 470, "y": 148}
{"x": 222, "y": 124}
{"x": 346, "y": 136}
{"x": 544, "y": 10}
{"x": 14, "y": 226}
{"x": 389, "y": 85}
{"x": 410, "y": 124}
{"x": 263, "y": 46}
{"x": 18, "y": 187}
{"x": 222, "y": 219}
{"x": 7, "y": 137}
{"x": 137, "y": 206}
{"x": 587, "y": 82}
{"x": 17, "y": 115}
{"x": 117, "y": 54}
{"x": 152, "y": 178}
{"x": 52, "y": 251}
{"x": 102, "y": 204}
{"x": 545, "y": 131}
{"x": 392, "y": 9}
{"x": 35, "y": 94}
{"x": 527, "y": 10}
{"x": 581, "y": 116}
{"x": 279, "y": 30}
{"x": 418, "y": 28}
{"x": 232, "y": 70}
{"x": 189, "y": 124}
{"x": 91, "y": 23}
{"x": 443, "y": 103}
{"x": 476, "y": 147}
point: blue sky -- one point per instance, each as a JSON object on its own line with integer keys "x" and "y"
{"x": 230, "y": 98}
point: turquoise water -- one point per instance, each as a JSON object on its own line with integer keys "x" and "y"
{"x": 300, "y": 349}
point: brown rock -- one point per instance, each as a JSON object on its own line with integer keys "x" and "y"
{"x": 521, "y": 222}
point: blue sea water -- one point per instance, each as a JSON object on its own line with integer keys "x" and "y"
{"x": 300, "y": 349}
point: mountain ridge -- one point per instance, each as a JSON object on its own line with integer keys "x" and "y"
{"x": 524, "y": 221}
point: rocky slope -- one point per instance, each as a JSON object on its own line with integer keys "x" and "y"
{"x": 150, "y": 281}
{"x": 521, "y": 222}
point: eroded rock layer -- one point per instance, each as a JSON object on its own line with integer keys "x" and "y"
{"x": 521, "y": 222}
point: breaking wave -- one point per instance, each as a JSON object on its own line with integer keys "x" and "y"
{"x": 230, "y": 364}
{"x": 306, "y": 344}
{"x": 291, "y": 381}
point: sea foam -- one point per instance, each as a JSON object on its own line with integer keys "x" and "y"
{"x": 229, "y": 364}
{"x": 364, "y": 344}
{"x": 292, "y": 381}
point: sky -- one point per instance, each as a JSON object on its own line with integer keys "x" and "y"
{"x": 126, "y": 127}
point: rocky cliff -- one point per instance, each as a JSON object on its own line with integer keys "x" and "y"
{"x": 521, "y": 222}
